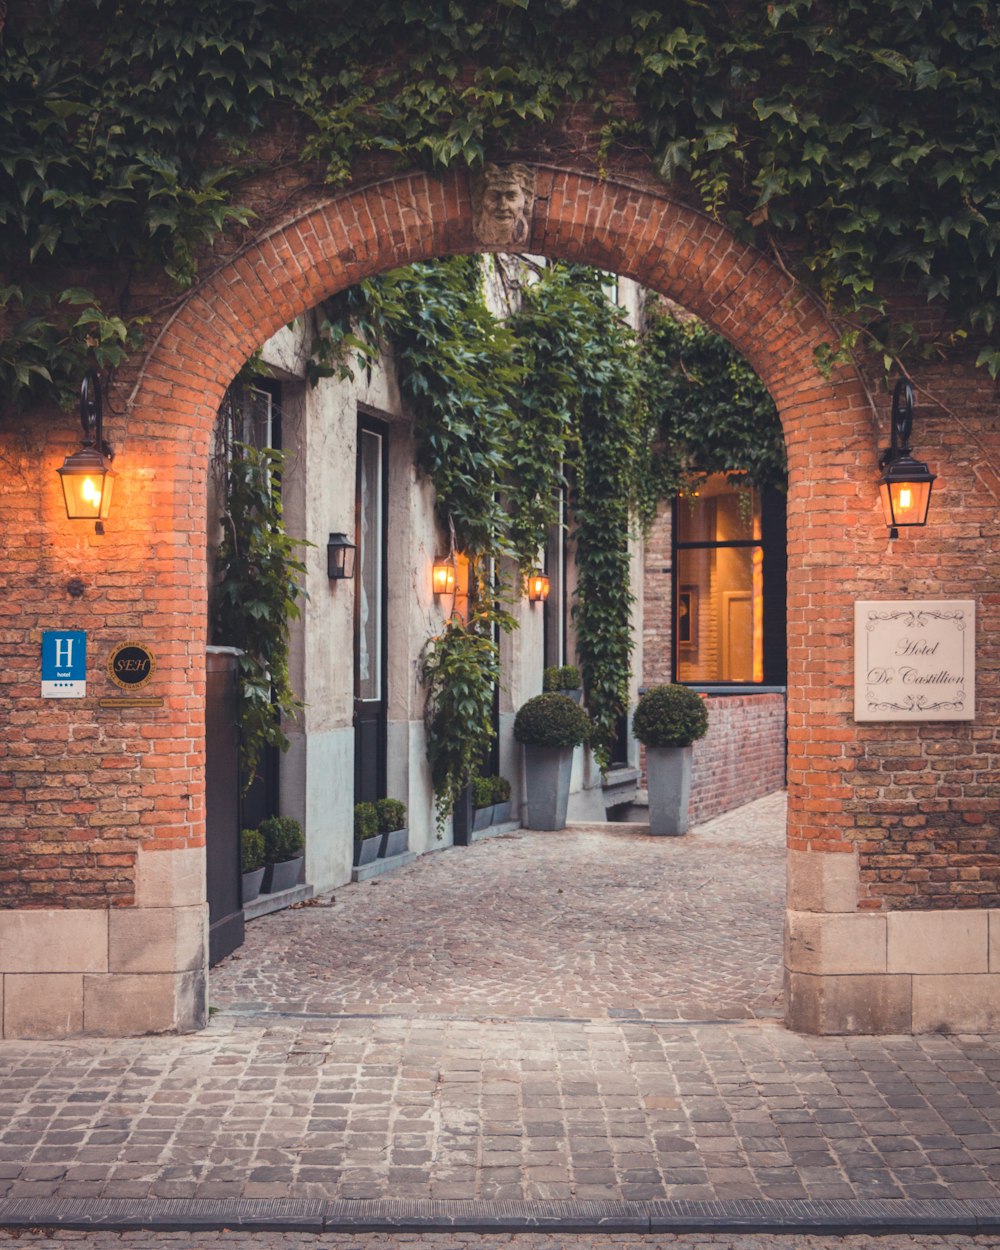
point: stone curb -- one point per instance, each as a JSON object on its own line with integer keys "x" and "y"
{"x": 396, "y": 1215}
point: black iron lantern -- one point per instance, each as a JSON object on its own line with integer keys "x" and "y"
{"x": 87, "y": 476}
{"x": 905, "y": 485}
{"x": 339, "y": 558}
{"x": 538, "y": 587}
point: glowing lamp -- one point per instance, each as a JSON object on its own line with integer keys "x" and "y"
{"x": 538, "y": 587}
{"x": 905, "y": 485}
{"x": 86, "y": 476}
{"x": 443, "y": 576}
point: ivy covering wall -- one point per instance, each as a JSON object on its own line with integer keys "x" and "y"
{"x": 559, "y": 396}
{"x": 856, "y": 140}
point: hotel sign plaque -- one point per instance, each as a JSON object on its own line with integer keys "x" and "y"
{"x": 914, "y": 660}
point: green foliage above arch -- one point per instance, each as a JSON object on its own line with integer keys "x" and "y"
{"x": 858, "y": 140}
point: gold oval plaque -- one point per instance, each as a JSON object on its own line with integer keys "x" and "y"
{"x": 131, "y": 665}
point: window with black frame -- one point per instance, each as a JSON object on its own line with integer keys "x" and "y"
{"x": 729, "y": 584}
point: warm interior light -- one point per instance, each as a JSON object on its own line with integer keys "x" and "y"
{"x": 443, "y": 577}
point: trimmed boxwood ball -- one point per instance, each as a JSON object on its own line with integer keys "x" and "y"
{"x": 251, "y": 850}
{"x": 551, "y": 720}
{"x": 365, "y": 821}
{"x": 670, "y": 716}
{"x": 391, "y": 815}
{"x": 282, "y": 839}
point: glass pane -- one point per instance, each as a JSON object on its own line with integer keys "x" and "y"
{"x": 720, "y": 610}
{"x": 369, "y": 628}
{"x": 718, "y": 512}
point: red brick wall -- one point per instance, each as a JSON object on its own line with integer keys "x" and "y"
{"x": 742, "y": 757}
{"x": 87, "y": 783}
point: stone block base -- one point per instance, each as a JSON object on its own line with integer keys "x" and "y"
{"x": 105, "y": 973}
{"x": 893, "y": 972}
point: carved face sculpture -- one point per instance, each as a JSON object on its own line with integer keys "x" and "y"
{"x": 503, "y": 204}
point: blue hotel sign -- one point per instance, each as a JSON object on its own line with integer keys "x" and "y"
{"x": 64, "y": 664}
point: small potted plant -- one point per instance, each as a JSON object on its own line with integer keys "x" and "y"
{"x": 549, "y": 726}
{"x": 563, "y": 679}
{"x": 282, "y": 853}
{"x": 482, "y": 802}
{"x": 501, "y": 799}
{"x": 367, "y": 837}
{"x": 667, "y": 720}
{"x": 251, "y": 862}
{"x": 392, "y": 824}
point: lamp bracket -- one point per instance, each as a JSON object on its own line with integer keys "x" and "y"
{"x": 92, "y": 414}
{"x": 902, "y": 423}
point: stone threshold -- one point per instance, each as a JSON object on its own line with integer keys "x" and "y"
{"x": 491, "y": 831}
{"x": 265, "y": 904}
{"x": 378, "y": 867}
{"x": 858, "y": 1216}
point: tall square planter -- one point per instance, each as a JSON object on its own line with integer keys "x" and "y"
{"x": 668, "y": 778}
{"x": 546, "y": 786}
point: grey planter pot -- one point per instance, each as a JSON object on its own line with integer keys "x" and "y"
{"x": 368, "y": 850}
{"x": 501, "y": 812}
{"x": 283, "y": 876}
{"x": 252, "y": 882}
{"x": 546, "y": 786}
{"x": 482, "y": 817}
{"x": 668, "y": 776}
{"x": 395, "y": 842}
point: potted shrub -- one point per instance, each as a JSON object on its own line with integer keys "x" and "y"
{"x": 501, "y": 799}
{"x": 667, "y": 720}
{"x": 251, "y": 862}
{"x": 367, "y": 838}
{"x": 282, "y": 853}
{"x": 549, "y": 726}
{"x": 392, "y": 824}
{"x": 563, "y": 679}
{"x": 482, "y": 802}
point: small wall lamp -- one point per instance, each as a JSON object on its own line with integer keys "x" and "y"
{"x": 443, "y": 576}
{"x": 86, "y": 476}
{"x": 905, "y": 485}
{"x": 339, "y": 558}
{"x": 538, "y": 587}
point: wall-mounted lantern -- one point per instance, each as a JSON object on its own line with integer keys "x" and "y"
{"x": 443, "y": 575}
{"x": 905, "y": 485}
{"x": 339, "y": 558}
{"x": 538, "y": 587}
{"x": 87, "y": 476}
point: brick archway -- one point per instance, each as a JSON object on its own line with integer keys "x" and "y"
{"x": 624, "y": 228}
{"x": 144, "y": 966}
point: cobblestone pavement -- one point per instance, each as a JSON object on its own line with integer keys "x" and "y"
{"x": 519, "y": 1044}
{"x": 590, "y": 921}
{"x": 67, "y": 1240}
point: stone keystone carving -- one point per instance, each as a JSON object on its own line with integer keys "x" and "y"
{"x": 503, "y": 197}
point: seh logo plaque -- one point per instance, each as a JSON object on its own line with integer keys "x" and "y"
{"x": 914, "y": 660}
{"x": 131, "y": 665}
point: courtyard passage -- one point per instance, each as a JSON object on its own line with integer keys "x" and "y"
{"x": 579, "y": 1028}
{"x": 594, "y": 922}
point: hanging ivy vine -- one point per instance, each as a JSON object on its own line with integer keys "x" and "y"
{"x": 257, "y": 595}
{"x": 857, "y": 139}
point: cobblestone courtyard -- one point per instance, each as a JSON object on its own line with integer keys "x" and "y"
{"x": 584, "y": 1017}
{"x": 591, "y": 922}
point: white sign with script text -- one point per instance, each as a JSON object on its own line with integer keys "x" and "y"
{"x": 914, "y": 659}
